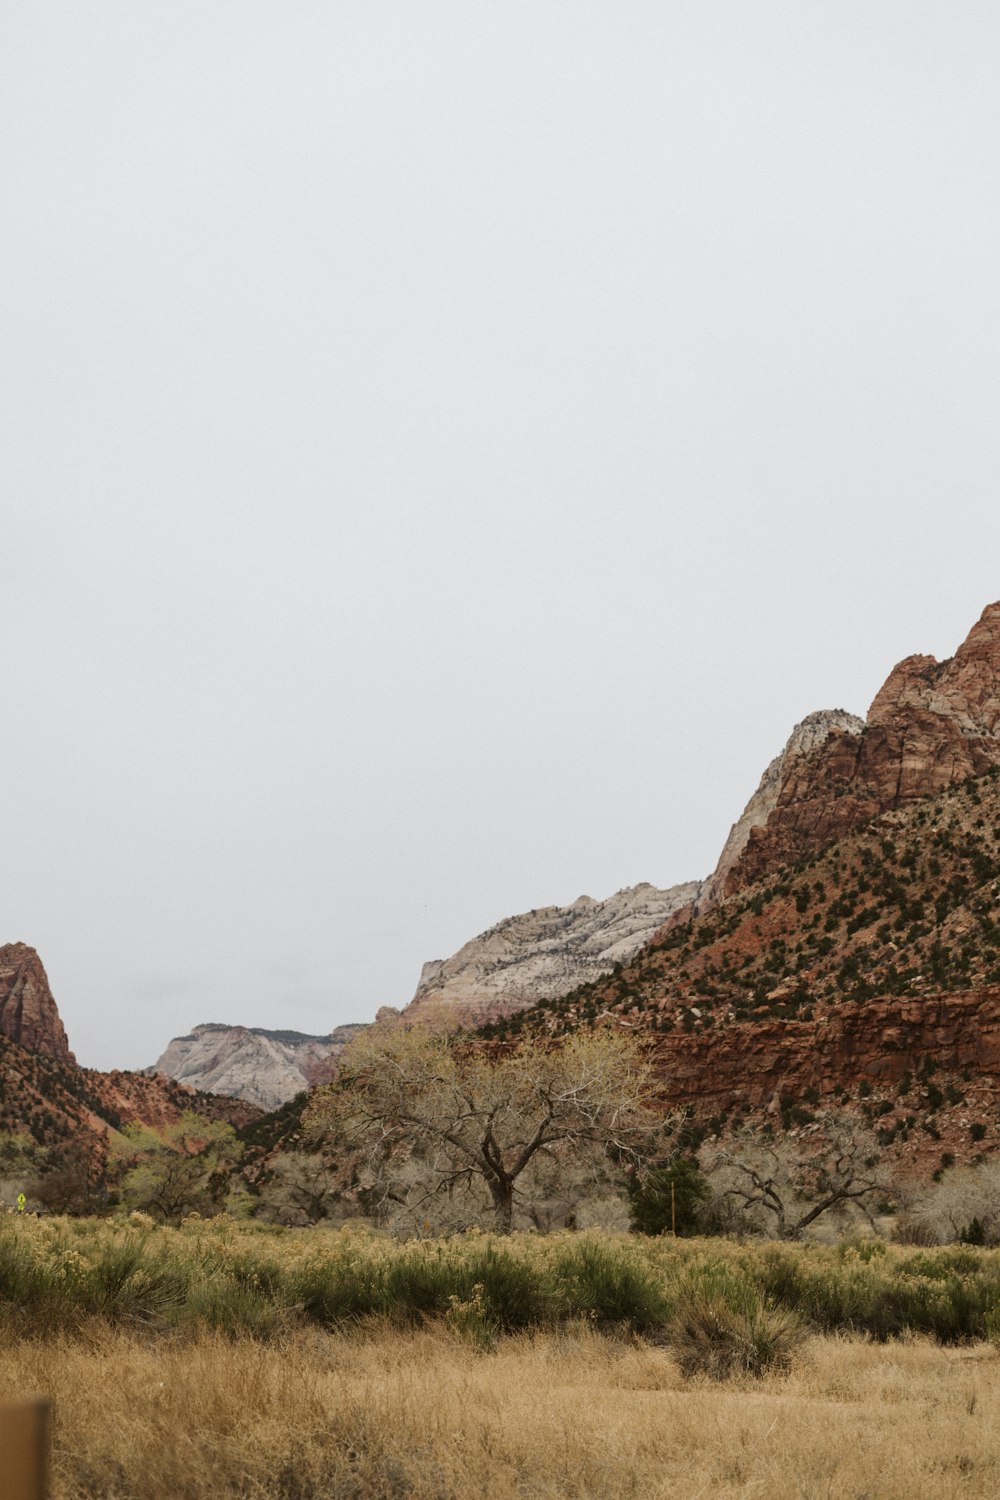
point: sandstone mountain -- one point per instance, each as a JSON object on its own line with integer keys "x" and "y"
{"x": 931, "y": 724}
{"x": 247, "y": 1062}
{"x": 867, "y": 973}
{"x": 847, "y": 944}
{"x": 542, "y": 954}
{"x": 28, "y": 1013}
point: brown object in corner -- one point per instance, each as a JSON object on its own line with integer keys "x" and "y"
{"x": 24, "y": 1449}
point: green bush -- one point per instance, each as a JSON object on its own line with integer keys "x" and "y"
{"x": 127, "y": 1284}
{"x": 514, "y": 1293}
{"x": 669, "y": 1196}
{"x": 235, "y": 1309}
{"x": 245, "y": 1280}
{"x": 417, "y": 1285}
{"x": 24, "y": 1283}
{"x": 337, "y": 1290}
{"x": 610, "y": 1286}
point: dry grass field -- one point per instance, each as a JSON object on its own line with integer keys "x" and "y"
{"x": 382, "y": 1413}
{"x": 218, "y": 1360}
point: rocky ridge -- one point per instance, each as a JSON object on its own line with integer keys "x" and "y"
{"x": 867, "y": 973}
{"x": 248, "y": 1062}
{"x": 764, "y": 1066}
{"x": 923, "y": 1073}
{"x": 520, "y": 960}
{"x": 44, "y": 1095}
{"x": 907, "y": 905}
{"x": 542, "y": 954}
{"x": 810, "y": 735}
{"x": 930, "y": 725}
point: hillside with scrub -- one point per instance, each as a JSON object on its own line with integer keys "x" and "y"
{"x": 866, "y": 977}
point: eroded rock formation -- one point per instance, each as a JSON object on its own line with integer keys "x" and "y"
{"x": 72, "y": 1110}
{"x": 28, "y": 1012}
{"x": 747, "y": 1065}
{"x": 805, "y": 738}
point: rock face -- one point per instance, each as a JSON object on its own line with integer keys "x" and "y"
{"x": 747, "y": 1065}
{"x": 542, "y": 954}
{"x": 44, "y": 1095}
{"x": 28, "y": 1013}
{"x": 810, "y": 735}
{"x": 246, "y": 1062}
{"x": 931, "y": 724}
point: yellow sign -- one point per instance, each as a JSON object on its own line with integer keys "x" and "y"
{"x": 21, "y": 1201}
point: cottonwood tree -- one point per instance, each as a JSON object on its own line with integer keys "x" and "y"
{"x": 436, "y": 1116}
{"x": 180, "y": 1168}
{"x": 300, "y": 1188}
{"x": 963, "y": 1205}
{"x": 785, "y": 1183}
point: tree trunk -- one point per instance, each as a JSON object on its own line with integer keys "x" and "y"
{"x": 502, "y": 1193}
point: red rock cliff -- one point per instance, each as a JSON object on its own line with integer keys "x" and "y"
{"x": 746, "y": 1064}
{"x": 28, "y": 1013}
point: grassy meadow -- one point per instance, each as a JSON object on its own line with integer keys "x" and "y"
{"x": 219, "y": 1359}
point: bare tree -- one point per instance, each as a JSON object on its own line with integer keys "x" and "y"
{"x": 438, "y": 1116}
{"x": 300, "y": 1188}
{"x": 786, "y": 1183}
{"x": 964, "y": 1204}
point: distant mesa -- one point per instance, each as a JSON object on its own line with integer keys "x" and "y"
{"x": 267, "y": 1068}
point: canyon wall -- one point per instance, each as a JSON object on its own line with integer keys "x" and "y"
{"x": 747, "y": 1065}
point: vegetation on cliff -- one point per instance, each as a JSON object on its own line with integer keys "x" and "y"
{"x": 908, "y": 906}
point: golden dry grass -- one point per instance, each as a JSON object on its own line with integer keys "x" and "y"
{"x": 377, "y": 1413}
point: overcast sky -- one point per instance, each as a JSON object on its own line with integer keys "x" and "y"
{"x": 445, "y": 447}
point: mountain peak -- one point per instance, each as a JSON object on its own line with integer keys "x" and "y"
{"x": 931, "y": 724}
{"x": 29, "y": 1015}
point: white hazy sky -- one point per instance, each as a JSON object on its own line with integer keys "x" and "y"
{"x": 444, "y": 449}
